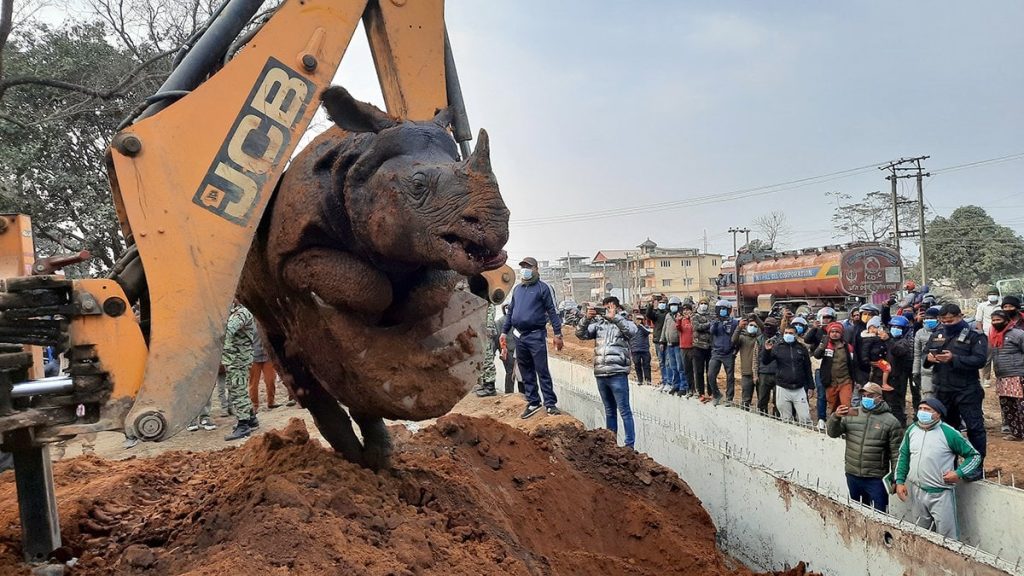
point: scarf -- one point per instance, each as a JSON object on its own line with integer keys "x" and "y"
{"x": 995, "y": 337}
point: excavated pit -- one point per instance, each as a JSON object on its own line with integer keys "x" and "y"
{"x": 468, "y": 495}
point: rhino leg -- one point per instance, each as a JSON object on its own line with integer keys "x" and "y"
{"x": 428, "y": 295}
{"x": 339, "y": 279}
{"x": 377, "y": 445}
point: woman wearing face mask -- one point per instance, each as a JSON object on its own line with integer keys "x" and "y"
{"x": 922, "y": 375}
{"x": 983, "y": 322}
{"x": 1006, "y": 345}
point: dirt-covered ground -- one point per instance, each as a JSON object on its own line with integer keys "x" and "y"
{"x": 470, "y": 494}
{"x": 1005, "y": 460}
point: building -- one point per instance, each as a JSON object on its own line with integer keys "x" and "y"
{"x": 682, "y": 272}
{"x": 610, "y": 272}
{"x": 570, "y": 277}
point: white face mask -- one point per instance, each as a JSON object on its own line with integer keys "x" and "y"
{"x": 702, "y": 308}
{"x": 992, "y": 299}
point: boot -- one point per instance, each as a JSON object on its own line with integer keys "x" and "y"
{"x": 241, "y": 430}
{"x": 486, "y": 389}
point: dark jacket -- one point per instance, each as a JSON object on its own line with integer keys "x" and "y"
{"x": 1008, "y": 359}
{"x": 970, "y": 352}
{"x": 701, "y": 330}
{"x": 641, "y": 341}
{"x": 901, "y": 356}
{"x": 871, "y": 349}
{"x": 657, "y": 317}
{"x": 822, "y": 352}
{"x": 721, "y": 337}
{"x": 814, "y": 337}
{"x": 611, "y": 347}
{"x": 873, "y": 439}
{"x": 769, "y": 367}
{"x": 793, "y": 363}
{"x": 531, "y": 307}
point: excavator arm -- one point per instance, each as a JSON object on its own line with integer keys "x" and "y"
{"x": 191, "y": 177}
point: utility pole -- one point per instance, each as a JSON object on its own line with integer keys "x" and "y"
{"x": 736, "y": 264}
{"x": 572, "y": 283}
{"x": 895, "y": 167}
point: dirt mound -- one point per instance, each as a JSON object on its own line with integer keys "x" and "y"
{"x": 467, "y": 496}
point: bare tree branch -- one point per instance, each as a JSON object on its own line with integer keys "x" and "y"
{"x": 772, "y": 227}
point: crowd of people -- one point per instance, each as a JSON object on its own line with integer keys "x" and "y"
{"x": 850, "y": 376}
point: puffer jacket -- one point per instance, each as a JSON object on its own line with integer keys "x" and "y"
{"x": 873, "y": 439}
{"x": 611, "y": 347}
{"x": 701, "y": 330}
{"x": 793, "y": 363}
{"x": 670, "y": 333}
{"x": 1008, "y": 359}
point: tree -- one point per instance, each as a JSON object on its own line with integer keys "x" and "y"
{"x": 756, "y": 245}
{"x": 773, "y": 227}
{"x": 971, "y": 249}
{"x": 870, "y": 219}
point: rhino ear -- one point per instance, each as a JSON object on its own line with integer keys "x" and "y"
{"x": 444, "y": 117}
{"x": 480, "y": 160}
{"x": 351, "y": 114}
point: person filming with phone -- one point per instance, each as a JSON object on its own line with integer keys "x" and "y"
{"x": 611, "y": 331}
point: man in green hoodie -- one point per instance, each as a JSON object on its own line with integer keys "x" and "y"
{"x": 926, "y": 471}
{"x": 873, "y": 437}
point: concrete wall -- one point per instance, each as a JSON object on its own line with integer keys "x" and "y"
{"x": 777, "y": 492}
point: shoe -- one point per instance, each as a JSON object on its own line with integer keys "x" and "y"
{"x": 207, "y": 424}
{"x": 253, "y": 422}
{"x": 241, "y": 430}
{"x": 530, "y": 411}
{"x": 1012, "y": 438}
{"x": 821, "y": 424}
{"x": 666, "y": 388}
{"x": 1005, "y": 429}
{"x": 487, "y": 390}
{"x": 192, "y": 427}
{"x": 887, "y": 388}
{"x": 553, "y": 410}
{"x": 272, "y": 406}
{"x": 225, "y": 413}
{"x": 290, "y": 403}
{"x": 716, "y": 401}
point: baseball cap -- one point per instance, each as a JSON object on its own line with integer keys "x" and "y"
{"x": 528, "y": 261}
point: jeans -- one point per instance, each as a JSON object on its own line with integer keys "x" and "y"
{"x": 717, "y": 362}
{"x": 642, "y": 363}
{"x": 868, "y": 491}
{"x": 819, "y": 391}
{"x": 700, "y": 362}
{"x": 532, "y": 357}
{"x": 687, "y": 354}
{"x": 614, "y": 392}
{"x": 672, "y": 369}
{"x": 660, "y": 349}
{"x": 681, "y": 383}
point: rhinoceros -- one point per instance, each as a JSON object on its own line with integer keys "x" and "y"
{"x": 371, "y": 228}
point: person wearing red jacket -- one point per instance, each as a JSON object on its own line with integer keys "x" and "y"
{"x": 685, "y": 326}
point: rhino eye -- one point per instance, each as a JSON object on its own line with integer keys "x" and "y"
{"x": 419, "y": 182}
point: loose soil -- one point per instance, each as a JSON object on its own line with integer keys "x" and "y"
{"x": 1004, "y": 462}
{"x": 467, "y": 495}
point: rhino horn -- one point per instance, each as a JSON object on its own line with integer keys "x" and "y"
{"x": 480, "y": 159}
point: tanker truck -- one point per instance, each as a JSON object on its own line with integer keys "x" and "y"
{"x": 805, "y": 280}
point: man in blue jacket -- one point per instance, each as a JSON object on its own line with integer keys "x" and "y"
{"x": 531, "y": 307}
{"x": 723, "y": 353}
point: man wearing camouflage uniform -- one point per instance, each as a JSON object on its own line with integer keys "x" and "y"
{"x": 488, "y": 373}
{"x": 236, "y": 359}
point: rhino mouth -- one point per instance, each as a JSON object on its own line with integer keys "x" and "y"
{"x": 471, "y": 257}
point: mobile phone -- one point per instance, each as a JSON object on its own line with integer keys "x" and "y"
{"x": 601, "y": 310}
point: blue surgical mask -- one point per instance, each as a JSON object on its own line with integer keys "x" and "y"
{"x": 673, "y": 308}
{"x": 752, "y": 329}
{"x": 723, "y": 312}
{"x": 931, "y": 323}
{"x": 799, "y": 328}
{"x": 526, "y": 273}
{"x": 925, "y": 417}
{"x": 896, "y": 332}
{"x": 662, "y": 306}
{"x": 867, "y": 403}
{"x": 789, "y": 338}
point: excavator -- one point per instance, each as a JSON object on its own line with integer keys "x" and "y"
{"x": 190, "y": 190}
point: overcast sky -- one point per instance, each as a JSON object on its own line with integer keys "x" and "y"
{"x": 605, "y": 105}
{"x": 599, "y": 105}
